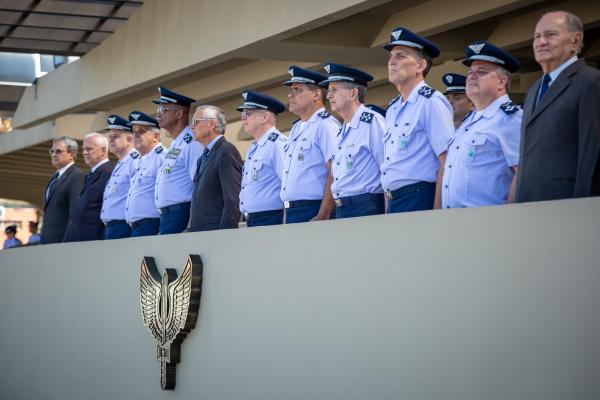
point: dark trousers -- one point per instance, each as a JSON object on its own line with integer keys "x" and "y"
{"x": 360, "y": 205}
{"x": 302, "y": 211}
{"x": 416, "y": 197}
{"x": 174, "y": 218}
{"x": 145, "y": 227}
{"x": 117, "y": 229}
{"x": 264, "y": 218}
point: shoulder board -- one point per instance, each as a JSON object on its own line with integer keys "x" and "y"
{"x": 366, "y": 117}
{"x": 187, "y": 138}
{"x": 296, "y": 120}
{"x": 509, "y": 107}
{"x": 159, "y": 149}
{"x": 273, "y": 136}
{"x": 323, "y": 114}
{"x": 426, "y": 91}
{"x": 395, "y": 99}
{"x": 134, "y": 154}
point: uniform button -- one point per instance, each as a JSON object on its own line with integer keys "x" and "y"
{"x": 449, "y": 166}
{"x": 447, "y": 206}
{"x": 404, "y": 134}
{"x": 387, "y": 158}
{"x": 242, "y": 202}
{"x": 286, "y": 172}
{"x": 249, "y": 158}
{"x": 396, "y": 125}
{"x": 338, "y": 163}
{"x": 392, "y": 142}
{"x": 446, "y": 186}
{"x": 339, "y": 148}
{"x": 295, "y": 139}
{"x": 466, "y": 129}
{"x": 336, "y": 179}
{"x": 472, "y": 141}
{"x": 337, "y": 194}
{"x": 290, "y": 155}
{"x": 384, "y": 173}
{"x": 457, "y": 147}
{"x": 243, "y": 187}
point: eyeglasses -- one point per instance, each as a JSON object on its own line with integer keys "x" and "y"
{"x": 162, "y": 109}
{"x": 57, "y": 151}
{"x": 195, "y": 121}
{"x": 247, "y": 113}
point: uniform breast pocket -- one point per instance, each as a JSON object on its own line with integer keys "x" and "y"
{"x": 476, "y": 149}
{"x": 350, "y": 158}
{"x": 403, "y": 141}
{"x": 304, "y": 151}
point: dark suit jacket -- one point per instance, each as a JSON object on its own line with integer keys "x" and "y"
{"x": 59, "y": 204}
{"x": 560, "y": 138}
{"x": 85, "y": 223}
{"x": 216, "y": 193}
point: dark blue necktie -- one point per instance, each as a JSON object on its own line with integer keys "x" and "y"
{"x": 51, "y": 184}
{"x": 545, "y": 84}
{"x": 201, "y": 161}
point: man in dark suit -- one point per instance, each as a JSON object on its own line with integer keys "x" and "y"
{"x": 62, "y": 190}
{"x": 215, "y": 196}
{"x": 560, "y": 134}
{"x": 85, "y": 223}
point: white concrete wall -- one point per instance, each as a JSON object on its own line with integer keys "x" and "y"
{"x": 492, "y": 303}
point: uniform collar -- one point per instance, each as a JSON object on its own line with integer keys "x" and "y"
{"x": 315, "y": 116}
{"x": 493, "y": 107}
{"x": 356, "y": 117}
{"x": 263, "y": 139}
{"x": 414, "y": 94}
{"x": 153, "y": 149}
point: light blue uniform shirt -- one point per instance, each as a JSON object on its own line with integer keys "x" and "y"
{"x": 358, "y": 155}
{"x": 309, "y": 148}
{"x": 478, "y": 169}
{"x": 417, "y": 132}
{"x": 261, "y": 177}
{"x": 140, "y": 199}
{"x": 115, "y": 193}
{"x": 175, "y": 176}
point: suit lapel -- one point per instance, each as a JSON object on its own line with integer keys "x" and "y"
{"x": 562, "y": 82}
{"x": 59, "y": 182}
{"x": 211, "y": 155}
{"x": 92, "y": 178}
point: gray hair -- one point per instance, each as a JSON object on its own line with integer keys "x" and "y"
{"x": 362, "y": 90}
{"x": 101, "y": 140}
{"x": 573, "y": 24}
{"x": 501, "y": 71}
{"x": 71, "y": 144}
{"x": 217, "y": 114}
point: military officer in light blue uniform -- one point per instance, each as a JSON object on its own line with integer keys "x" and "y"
{"x": 263, "y": 168}
{"x": 358, "y": 151}
{"x": 457, "y": 97}
{"x": 140, "y": 209}
{"x": 174, "y": 179}
{"x": 120, "y": 143}
{"x": 483, "y": 158}
{"x": 418, "y": 127}
{"x": 306, "y": 182}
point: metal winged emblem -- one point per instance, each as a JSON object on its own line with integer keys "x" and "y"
{"x": 396, "y": 34}
{"x": 477, "y": 47}
{"x": 112, "y": 120}
{"x": 136, "y": 116}
{"x": 170, "y": 307}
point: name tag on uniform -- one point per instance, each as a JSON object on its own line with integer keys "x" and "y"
{"x": 254, "y": 176}
{"x": 174, "y": 153}
{"x": 349, "y": 162}
{"x": 300, "y": 157}
{"x": 402, "y": 144}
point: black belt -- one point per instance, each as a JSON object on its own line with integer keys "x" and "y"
{"x": 171, "y": 208}
{"x": 415, "y": 187}
{"x": 301, "y": 203}
{"x": 358, "y": 199}
{"x": 263, "y": 213}
{"x": 142, "y": 221}
{"x": 115, "y": 222}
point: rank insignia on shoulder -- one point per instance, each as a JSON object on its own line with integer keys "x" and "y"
{"x": 426, "y": 91}
{"x": 159, "y": 149}
{"x": 187, "y": 138}
{"x": 134, "y": 154}
{"x": 395, "y": 99}
{"x": 273, "y": 136}
{"x": 366, "y": 117}
{"x": 323, "y": 114}
{"x": 509, "y": 107}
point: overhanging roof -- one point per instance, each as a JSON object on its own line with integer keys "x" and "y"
{"x": 60, "y": 27}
